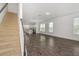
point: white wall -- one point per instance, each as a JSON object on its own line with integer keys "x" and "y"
{"x": 1, "y": 5}
{"x": 63, "y": 26}
{"x": 13, "y": 7}
{"x": 2, "y": 14}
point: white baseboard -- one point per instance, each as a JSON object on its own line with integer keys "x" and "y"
{"x": 76, "y": 39}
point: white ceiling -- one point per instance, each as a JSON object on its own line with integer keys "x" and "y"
{"x": 35, "y": 12}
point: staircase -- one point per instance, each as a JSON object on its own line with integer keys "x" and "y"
{"x": 9, "y": 36}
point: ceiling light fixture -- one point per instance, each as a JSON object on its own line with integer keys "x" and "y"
{"x": 47, "y": 13}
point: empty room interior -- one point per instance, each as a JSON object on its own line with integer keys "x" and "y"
{"x": 51, "y": 29}
{"x": 10, "y": 43}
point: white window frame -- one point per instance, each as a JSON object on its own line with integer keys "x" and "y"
{"x": 51, "y": 27}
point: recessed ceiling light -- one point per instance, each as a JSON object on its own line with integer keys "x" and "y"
{"x": 47, "y": 13}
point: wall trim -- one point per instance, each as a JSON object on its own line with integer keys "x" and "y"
{"x": 58, "y": 36}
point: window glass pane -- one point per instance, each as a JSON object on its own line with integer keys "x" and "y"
{"x": 51, "y": 27}
{"x": 76, "y": 25}
{"x": 42, "y": 27}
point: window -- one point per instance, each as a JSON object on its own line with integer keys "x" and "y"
{"x": 76, "y": 25}
{"x": 42, "y": 27}
{"x": 51, "y": 27}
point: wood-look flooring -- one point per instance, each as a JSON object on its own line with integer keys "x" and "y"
{"x": 9, "y": 36}
{"x": 43, "y": 45}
